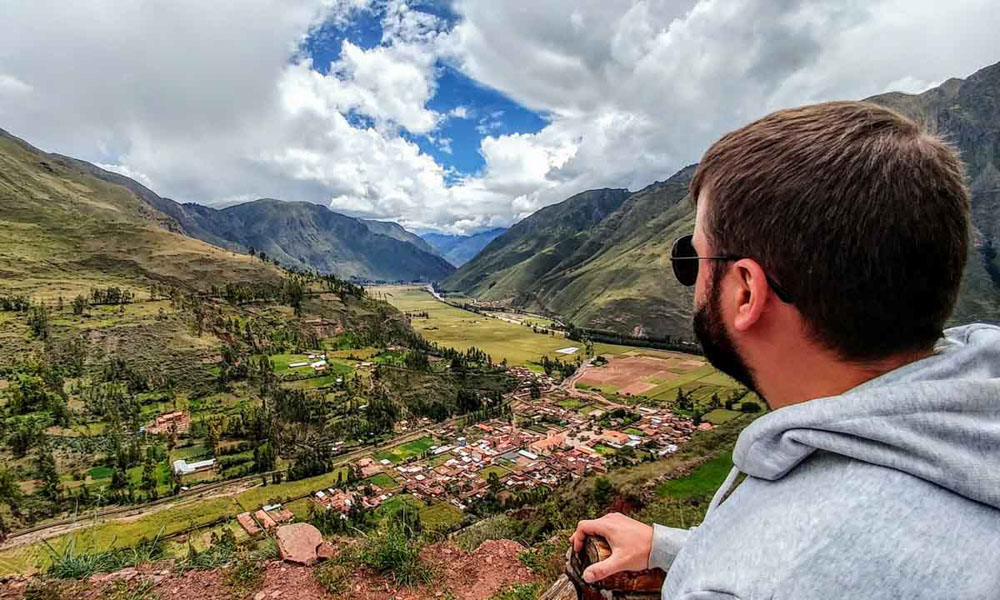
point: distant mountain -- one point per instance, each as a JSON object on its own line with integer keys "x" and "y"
{"x": 64, "y": 230}
{"x": 395, "y": 230}
{"x": 459, "y": 249}
{"x": 297, "y": 234}
{"x": 600, "y": 258}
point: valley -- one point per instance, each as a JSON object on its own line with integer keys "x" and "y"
{"x": 538, "y": 433}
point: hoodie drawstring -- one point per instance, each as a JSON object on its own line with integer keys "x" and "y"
{"x": 723, "y": 490}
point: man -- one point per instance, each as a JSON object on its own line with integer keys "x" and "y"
{"x": 831, "y": 241}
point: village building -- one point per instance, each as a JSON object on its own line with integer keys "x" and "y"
{"x": 173, "y": 422}
{"x": 182, "y": 467}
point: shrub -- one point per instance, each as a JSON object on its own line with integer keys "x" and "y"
{"x": 73, "y": 564}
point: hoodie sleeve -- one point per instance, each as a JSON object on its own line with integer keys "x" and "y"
{"x": 667, "y": 543}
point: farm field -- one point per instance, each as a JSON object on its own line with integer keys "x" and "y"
{"x": 461, "y": 329}
{"x": 656, "y": 376}
{"x": 405, "y": 451}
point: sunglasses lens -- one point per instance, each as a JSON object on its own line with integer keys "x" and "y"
{"x": 685, "y": 270}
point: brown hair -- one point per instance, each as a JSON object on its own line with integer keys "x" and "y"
{"x": 860, "y": 214}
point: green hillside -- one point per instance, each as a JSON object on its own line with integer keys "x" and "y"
{"x": 66, "y": 231}
{"x": 311, "y": 236}
{"x": 610, "y": 269}
{"x": 297, "y": 234}
{"x": 598, "y": 259}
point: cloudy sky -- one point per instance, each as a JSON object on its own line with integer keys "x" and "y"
{"x": 446, "y": 115}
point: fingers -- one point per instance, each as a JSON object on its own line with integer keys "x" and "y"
{"x": 603, "y": 569}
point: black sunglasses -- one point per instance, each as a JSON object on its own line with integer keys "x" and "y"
{"x": 685, "y": 261}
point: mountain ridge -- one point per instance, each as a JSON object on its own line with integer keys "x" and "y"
{"x": 614, "y": 273}
{"x": 460, "y": 249}
{"x": 325, "y": 240}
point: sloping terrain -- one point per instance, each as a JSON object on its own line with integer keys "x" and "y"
{"x": 65, "y": 230}
{"x": 460, "y": 249}
{"x": 311, "y": 236}
{"x": 611, "y": 271}
{"x": 297, "y": 234}
{"x": 599, "y": 259}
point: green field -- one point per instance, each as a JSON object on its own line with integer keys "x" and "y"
{"x": 500, "y": 471}
{"x": 702, "y": 481}
{"x": 405, "y": 451}
{"x": 383, "y": 481}
{"x": 461, "y": 329}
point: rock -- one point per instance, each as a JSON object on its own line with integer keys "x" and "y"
{"x": 326, "y": 551}
{"x": 259, "y": 596}
{"x": 298, "y": 543}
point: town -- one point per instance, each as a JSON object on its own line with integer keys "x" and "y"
{"x": 549, "y": 438}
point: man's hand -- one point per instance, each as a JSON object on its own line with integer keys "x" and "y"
{"x": 630, "y": 541}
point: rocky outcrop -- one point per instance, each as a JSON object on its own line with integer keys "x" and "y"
{"x": 298, "y": 543}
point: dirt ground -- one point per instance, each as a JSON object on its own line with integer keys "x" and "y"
{"x": 476, "y": 575}
{"x": 623, "y": 372}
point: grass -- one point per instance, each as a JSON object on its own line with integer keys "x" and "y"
{"x": 604, "y": 450}
{"x": 702, "y": 481}
{"x": 720, "y": 416}
{"x": 571, "y": 403}
{"x": 404, "y": 451}
{"x": 500, "y": 471}
{"x": 461, "y": 329}
{"x": 254, "y": 498}
{"x": 520, "y": 591}
{"x": 439, "y": 515}
{"x": 383, "y": 481}
{"x": 101, "y": 472}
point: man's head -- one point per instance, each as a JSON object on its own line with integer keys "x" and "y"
{"x": 858, "y": 214}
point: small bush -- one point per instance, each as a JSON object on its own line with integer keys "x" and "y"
{"x": 73, "y": 564}
{"x": 521, "y": 591}
{"x": 132, "y": 590}
{"x": 390, "y": 552}
{"x": 332, "y": 575}
{"x": 246, "y": 573}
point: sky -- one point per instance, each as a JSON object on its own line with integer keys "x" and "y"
{"x": 446, "y": 115}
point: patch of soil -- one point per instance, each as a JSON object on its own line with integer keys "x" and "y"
{"x": 476, "y": 575}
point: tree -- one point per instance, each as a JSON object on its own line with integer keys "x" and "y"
{"x": 79, "y": 304}
{"x": 149, "y": 479}
{"x": 24, "y": 435}
{"x": 38, "y": 321}
{"x": 604, "y": 491}
{"x": 253, "y": 251}
{"x": 45, "y": 465}
{"x": 536, "y": 392}
{"x": 118, "y": 480}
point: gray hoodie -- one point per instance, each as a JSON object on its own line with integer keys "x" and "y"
{"x": 890, "y": 490}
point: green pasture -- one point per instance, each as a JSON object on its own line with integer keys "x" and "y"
{"x": 383, "y": 481}
{"x": 461, "y": 329}
{"x": 702, "y": 481}
{"x": 500, "y": 471}
{"x": 404, "y": 451}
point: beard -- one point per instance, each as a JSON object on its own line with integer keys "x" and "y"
{"x": 718, "y": 345}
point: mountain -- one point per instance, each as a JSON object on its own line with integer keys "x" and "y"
{"x": 459, "y": 249}
{"x": 598, "y": 259}
{"x": 65, "y": 230}
{"x": 607, "y": 267}
{"x": 395, "y": 230}
{"x": 297, "y": 234}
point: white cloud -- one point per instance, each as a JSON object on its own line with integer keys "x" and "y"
{"x": 636, "y": 90}
{"x": 211, "y": 101}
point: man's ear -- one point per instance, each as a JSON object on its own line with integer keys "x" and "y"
{"x": 750, "y": 294}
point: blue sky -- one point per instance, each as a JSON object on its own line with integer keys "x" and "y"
{"x": 455, "y": 143}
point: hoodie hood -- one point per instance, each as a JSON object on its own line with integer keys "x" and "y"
{"x": 937, "y": 419}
